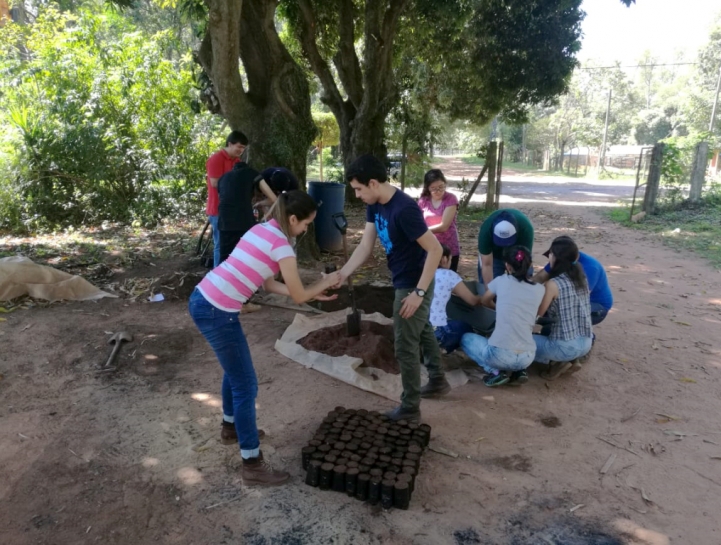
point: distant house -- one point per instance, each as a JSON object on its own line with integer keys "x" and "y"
{"x": 616, "y": 156}
{"x": 714, "y": 165}
{"x": 4, "y": 12}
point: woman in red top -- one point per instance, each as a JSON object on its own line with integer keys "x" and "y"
{"x": 439, "y": 209}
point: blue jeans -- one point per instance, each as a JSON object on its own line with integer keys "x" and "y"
{"x": 493, "y": 358}
{"x": 449, "y": 335}
{"x": 598, "y": 313}
{"x": 225, "y": 336}
{"x": 216, "y": 240}
{"x": 548, "y": 350}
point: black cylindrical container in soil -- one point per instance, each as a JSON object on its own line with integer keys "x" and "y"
{"x": 330, "y": 458}
{"x": 312, "y": 476}
{"x": 416, "y": 458}
{"x": 340, "y": 445}
{"x": 365, "y": 445}
{"x": 379, "y": 443}
{"x": 425, "y": 428}
{"x": 385, "y": 450}
{"x": 351, "y": 478}
{"x": 361, "y": 489}
{"x": 317, "y": 455}
{"x": 415, "y": 449}
{"x": 326, "y": 476}
{"x": 339, "y": 478}
{"x": 364, "y": 468}
{"x": 324, "y": 448}
{"x": 384, "y": 458}
{"x": 346, "y": 437}
{"x": 315, "y": 443}
{"x": 401, "y": 495}
{"x": 374, "y": 490}
{"x": 382, "y": 430}
{"x": 334, "y": 452}
{"x": 397, "y": 461}
{"x": 367, "y": 461}
{"x": 305, "y": 456}
{"x": 394, "y": 469}
{"x": 406, "y": 478}
{"x": 409, "y": 463}
{"x": 352, "y": 463}
{"x": 394, "y": 434}
{"x": 340, "y": 409}
{"x": 342, "y": 461}
{"x": 358, "y": 434}
{"x": 387, "y": 494}
{"x": 356, "y": 457}
{"x": 405, "y": 433}
{"x": 335, "y": 430}
{"x": 376, "y": 472}
{"x": 389, "y": 476}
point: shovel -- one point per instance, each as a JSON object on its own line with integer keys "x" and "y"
{"x": 353, "y": 320}
{"x": 117, "y": 339}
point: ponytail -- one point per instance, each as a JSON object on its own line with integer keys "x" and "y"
{"x": 291, "y": 203}
{"x": 519, "y": 259}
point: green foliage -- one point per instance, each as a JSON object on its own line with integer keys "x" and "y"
{"x": 677, "y": 162}
{"x": 101, "y": 125}
{"x": 328, "y": 130}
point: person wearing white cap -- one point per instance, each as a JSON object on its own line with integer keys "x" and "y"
{"x": 503, "y": 228}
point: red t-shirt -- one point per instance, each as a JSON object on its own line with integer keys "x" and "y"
{"x": 218, "y": 164}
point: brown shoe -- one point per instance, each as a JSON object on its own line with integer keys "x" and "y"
{"x": 258, "y": 472}
{"x": 228, "y": 435}
{"x": 249, "y": 307}
{"x": 556, "y": 369}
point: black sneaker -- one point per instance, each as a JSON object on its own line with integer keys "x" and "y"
{"x": 518, "y": 377}
{"x": 496, "y": 380}
{"x": 401, "y": 413}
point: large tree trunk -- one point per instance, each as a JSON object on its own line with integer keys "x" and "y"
{"x": 274, "y": 109}
{"x": 369, "y": 89}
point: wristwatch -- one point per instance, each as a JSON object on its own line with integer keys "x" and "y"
{"x": 419, "y": 292}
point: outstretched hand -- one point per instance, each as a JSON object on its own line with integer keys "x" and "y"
{"x": 325, "y": 297}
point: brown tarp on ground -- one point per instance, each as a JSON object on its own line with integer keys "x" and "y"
{"x": 347, "y": 368}
{"x": 21, "y": 276}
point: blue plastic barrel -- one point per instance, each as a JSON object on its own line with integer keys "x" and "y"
{"x": 330, "y": 197}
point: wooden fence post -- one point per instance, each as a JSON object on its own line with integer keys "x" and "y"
{"x": 654, "y": 177}
{"x": 698, "y": 171}
{"x": 491, "y": 188}
{"x": 499, "y": 168}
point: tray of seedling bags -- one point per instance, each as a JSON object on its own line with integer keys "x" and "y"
{"x": 367, "y": 456}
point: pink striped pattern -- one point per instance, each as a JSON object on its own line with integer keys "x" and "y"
{"x": 254, "y": 259}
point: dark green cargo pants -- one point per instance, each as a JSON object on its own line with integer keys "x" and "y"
{"x": 410, "y": 334}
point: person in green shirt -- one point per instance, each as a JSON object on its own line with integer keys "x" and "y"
{"x": 503, "y": 228}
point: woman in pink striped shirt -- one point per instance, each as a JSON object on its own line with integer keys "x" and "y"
{"x": 215, "y": 304}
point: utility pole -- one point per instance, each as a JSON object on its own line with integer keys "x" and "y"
{"x": 602, "y": 153}
{"x": 715, "y": 102}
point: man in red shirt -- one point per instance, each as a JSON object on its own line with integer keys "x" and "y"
{"x": 218, "y": 164}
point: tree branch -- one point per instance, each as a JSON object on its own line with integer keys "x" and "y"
{"x": 345, "y": 60}
{"x": 306, "y": 36}
{"x": 219, "y": 54}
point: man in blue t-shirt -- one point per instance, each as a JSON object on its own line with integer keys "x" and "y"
{"x": 413, "y": 254}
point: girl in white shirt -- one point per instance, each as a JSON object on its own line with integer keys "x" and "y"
{"x": 510, "y": 348}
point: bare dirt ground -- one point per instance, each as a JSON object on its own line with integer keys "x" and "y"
{"x": 133, "y": 457}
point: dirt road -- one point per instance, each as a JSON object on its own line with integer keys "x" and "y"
{"x": 134, "y": 457}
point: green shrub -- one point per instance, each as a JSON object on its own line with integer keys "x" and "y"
{"x": 101, "y": 125}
